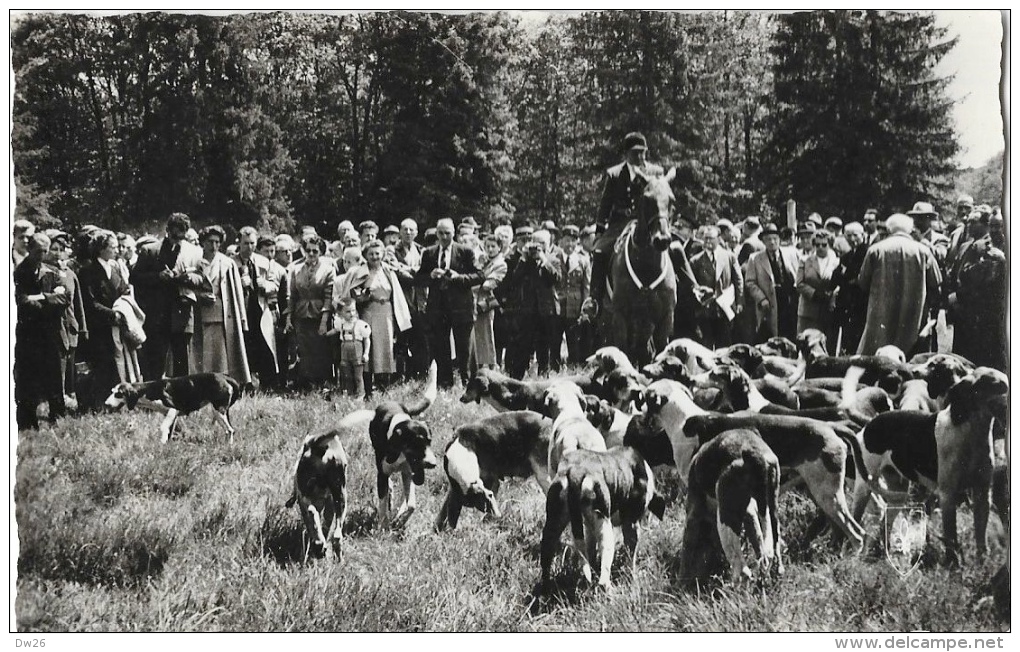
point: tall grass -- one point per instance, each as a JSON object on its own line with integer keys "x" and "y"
{"x": 119, "y": 532}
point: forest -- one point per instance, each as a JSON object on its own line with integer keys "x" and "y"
{"x": 284, "y": 119}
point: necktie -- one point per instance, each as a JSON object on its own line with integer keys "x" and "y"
{"x": 442, "y": 258}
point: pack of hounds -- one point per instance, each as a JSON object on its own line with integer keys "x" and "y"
{"x": 739, "y": 425}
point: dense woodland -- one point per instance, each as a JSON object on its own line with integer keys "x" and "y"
{"x": 278, "y": 119}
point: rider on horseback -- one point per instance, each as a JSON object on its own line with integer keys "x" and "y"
{"x": 623, "y": 187}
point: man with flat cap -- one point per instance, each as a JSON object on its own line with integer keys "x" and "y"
{"x": 623, "y": 187}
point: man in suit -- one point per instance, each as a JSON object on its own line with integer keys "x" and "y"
{"x": 532, "y": 287}
{"x": 621, "y": 191}
{"x": 770, "y": 288}
{"x": 449, "y": 270}
{"x": 850, "y": 302}
{"x": 870, "y": 223}
{"x": 165, "y": 279}
{"x": 716, "y": 267}
{"x": 258, "y": 286}
{"x": 412, "y": 347}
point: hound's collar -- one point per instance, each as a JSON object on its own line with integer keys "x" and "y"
{"x": 398, "y": 419}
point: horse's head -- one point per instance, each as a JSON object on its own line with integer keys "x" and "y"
{"x": 656, "y": 209}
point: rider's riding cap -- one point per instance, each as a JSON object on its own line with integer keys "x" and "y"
{"x": 634, "y": 140}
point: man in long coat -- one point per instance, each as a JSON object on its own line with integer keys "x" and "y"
{"x": 259, "y": 287}
{"x": 902, "y": 279}
{"x": 769, "y": 287}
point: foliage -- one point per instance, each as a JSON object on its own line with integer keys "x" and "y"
{"x": 983, "y": 183}
{"x": 274, "y": 119}
{"x": 860, "y": 117}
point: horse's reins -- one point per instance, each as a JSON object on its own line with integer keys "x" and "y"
{"x": 630, "y": 267}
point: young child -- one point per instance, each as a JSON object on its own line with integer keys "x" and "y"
{"x": 353, "y": 344}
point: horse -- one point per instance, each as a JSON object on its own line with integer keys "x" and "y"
{"x": 643, "y": 284}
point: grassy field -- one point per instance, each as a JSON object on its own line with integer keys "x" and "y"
{"x": 118, "y": 532}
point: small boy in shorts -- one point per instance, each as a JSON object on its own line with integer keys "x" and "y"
{"x": 353, "y": 341}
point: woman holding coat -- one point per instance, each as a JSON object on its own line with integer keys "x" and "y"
{"x": 381, "y": 304}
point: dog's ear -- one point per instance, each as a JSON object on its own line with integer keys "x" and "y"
{"x": 590, "y": 404}
{"x": 130, "y": 396}
{"x": 639, "y": 400}
{"x": 961, "y": 400}
{"x": 657, "y": 505}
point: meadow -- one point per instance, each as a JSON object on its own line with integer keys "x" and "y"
{"x": 118, "y": 532}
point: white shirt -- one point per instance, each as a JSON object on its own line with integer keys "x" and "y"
{"x": 634, "y": 172}
{"x": 107, "y": 266}
{"x": 444, "y": 256}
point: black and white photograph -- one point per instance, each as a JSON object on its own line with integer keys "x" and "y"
{"x": 499, "y": 321}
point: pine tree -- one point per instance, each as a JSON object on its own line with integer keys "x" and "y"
{"x": 860, "y": 117}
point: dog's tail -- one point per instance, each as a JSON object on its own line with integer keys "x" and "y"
{"x": 428, "y": 398}
{"x": 574, "y": 487}
{"x": 356, "y": 420}
{"x": 849, "y": 388}
{"x": 860, "y": 468}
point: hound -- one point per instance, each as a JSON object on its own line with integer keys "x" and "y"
{"x": 610, "y": 421}
{"x": 320, "y": 491}
{"x": 402, "y": 445}
{"x": 734, "y": 479}
{"x": 814, "y": 450}
{"x": 607, "y": 359}
{"x": 592, "y": 491}
{"x": 742, "y": 355}
{"x": 514, "y": 444}
{"x": 181, "y": 396}
{"x": 878, "y": 370}
{"x": 564, "y": 403}
{"x": 778, "y": 346}
{"x": 696, "y": 356}
{"x": 320, "y": 485}
{"x": 667, "y": 367}
{"x": 947, "y": 452}
{"x": 856, "y": 407}
{"x": 505, "y": 394}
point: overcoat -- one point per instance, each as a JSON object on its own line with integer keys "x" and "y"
{"x": 902, "y": 279}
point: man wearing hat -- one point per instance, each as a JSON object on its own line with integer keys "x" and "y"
{"x": 369, "y": 231}
{"x": 750, "y": 242}
{"x": 770, "y": 287}
{"x": 834, "y": 225}
{"x": 391, "y": 235}
{"x": 980, "y": 298}
{"x": 956, "y": 227}
{"x": 805, "y": 241}
{"x": 923, "y": 214}
{"x": 623, "y": 186}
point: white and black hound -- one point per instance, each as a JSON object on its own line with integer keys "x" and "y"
{"x": 734, "y": 480}
{"x": 181, "y": 396}
{"x": 509, "y": 444}
{"x": 402, "y": 445}
{"x": 948, "y": 452}
{"x": 593, "y": 490}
